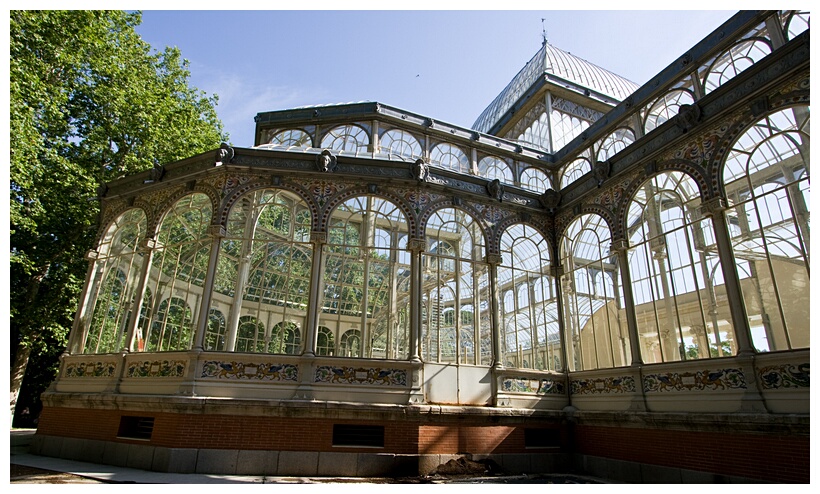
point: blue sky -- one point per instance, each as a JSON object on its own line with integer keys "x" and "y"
{"x": 444, "y": 64}
{"x": 447, "y": 65}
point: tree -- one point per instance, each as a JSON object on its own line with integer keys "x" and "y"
{"x": 90, "y": 102}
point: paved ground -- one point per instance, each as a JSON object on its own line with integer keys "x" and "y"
{"x": 26, "y": 468}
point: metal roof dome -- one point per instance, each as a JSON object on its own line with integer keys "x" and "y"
{"x": 555, "y": 62}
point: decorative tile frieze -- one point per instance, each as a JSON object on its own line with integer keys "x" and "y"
{"x": 695, "y": 381}
{"x": 256, "y": 371}
{"x": 359, "y": 375}
{"x": 90, "y": 369}
{"x": 157, "y": 368}
{"x": 532, "y": 386}
{"x": 608, "y": 385}
{"x": 784, "y": 376}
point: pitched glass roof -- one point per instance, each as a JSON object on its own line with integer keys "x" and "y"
{"x": 554, "y": 61}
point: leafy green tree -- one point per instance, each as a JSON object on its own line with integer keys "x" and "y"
{"x": 90, "y": 102}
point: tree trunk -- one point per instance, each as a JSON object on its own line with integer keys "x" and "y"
{"x": 18, "y": 370}
{"x": 21, "y": 357}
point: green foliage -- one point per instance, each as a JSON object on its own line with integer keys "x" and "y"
{"x": 90, "y": 102}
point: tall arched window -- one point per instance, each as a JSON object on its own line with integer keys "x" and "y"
{"x": 594, "y": 317}
{"x": 116, "y": 274}
{"x": 178, "y": 268}
{"x": 677, "y": 281}
{"x": 455, "y": 291}
{"x": 215, "y": 332}
{"x": 172, "y": 328}
{"x": 366, "y": 278}
{"x": 325, "y": 341}
{"x": 766, "y": 179}
{"x": 529, "y": 319}
{"x": 265, "y": 262}
{"x": 251, "y": 337}
{"x": 350, "y": 344}
{"x": 285, "y": 338}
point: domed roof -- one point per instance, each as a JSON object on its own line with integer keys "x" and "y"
{"x": 555, "y": 62}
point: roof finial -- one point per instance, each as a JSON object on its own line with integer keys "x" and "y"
{"x": 543, "y": 31}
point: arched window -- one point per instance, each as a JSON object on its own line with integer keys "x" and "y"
{"x": 677, "y": 281}
{"x": 766, "y": 179}
{"x": 732, "y": 62}
{"x": 795, "y": 22}
{"x": 350, "y": 344}
{"x": 493, "y": 168}
{"x": 179, "y": 265}
{"x": 666, "y": 107}
{"x": 215, "y": 331}
{"x": 528, "y": 294}
{"x": 535, "y": 180}
{"x": 575, "y": 170}
{"x": 615, "y": 142}
{"x": 292, "y": 137}
{"x": 450, "y": 157}
{"x": 349, "y": 138}
{"x": 285, "y": 338}
{"x": 455, "y": 290}
{"x": 565, "y": 128}
{"x": 396, "y": 142}
{"x": 264, "y": 262}
{"x": 250, "y": 336}
{"x": 366, "y": 278}
{"x": 116, "y": 274}
{"x": 172, "y": 328}
{"x": 325, "y": 341}
{"x": 594, "y": 317}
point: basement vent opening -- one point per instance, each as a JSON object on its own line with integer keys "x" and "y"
{"x": 542, "y": 438}
{"x": 358, "y": 435}
{"x": 136, "y": 427}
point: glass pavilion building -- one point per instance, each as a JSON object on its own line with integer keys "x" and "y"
{"x": 597, "y": 277}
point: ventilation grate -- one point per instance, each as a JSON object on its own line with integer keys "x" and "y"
{"x": 542, "y": 438}
{"x": 136, "y": 427}
{"x": 358, "y": 435}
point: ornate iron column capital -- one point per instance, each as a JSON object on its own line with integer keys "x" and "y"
{"x": 217, "y": 231}
{"x": 416, "y": 244}
{"x": 318, "y": 238}
{"x": 713, "y": 206}
{"x": 618, "y": 245}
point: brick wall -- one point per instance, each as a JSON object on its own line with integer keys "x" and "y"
{"x": 771, "y": 457}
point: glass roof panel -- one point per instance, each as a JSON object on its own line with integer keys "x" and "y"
{"x": 552, "y": 60}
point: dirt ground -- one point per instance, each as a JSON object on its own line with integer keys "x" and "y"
{"x": 20, "y": 474}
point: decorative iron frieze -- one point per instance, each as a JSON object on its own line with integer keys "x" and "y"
{"x": 157, "y": 368}
{"x": 784, "y": 376}
{"x": 374, "y": 376}
{"x": 255, "y": 371}
{"x": 695, "y": 381}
